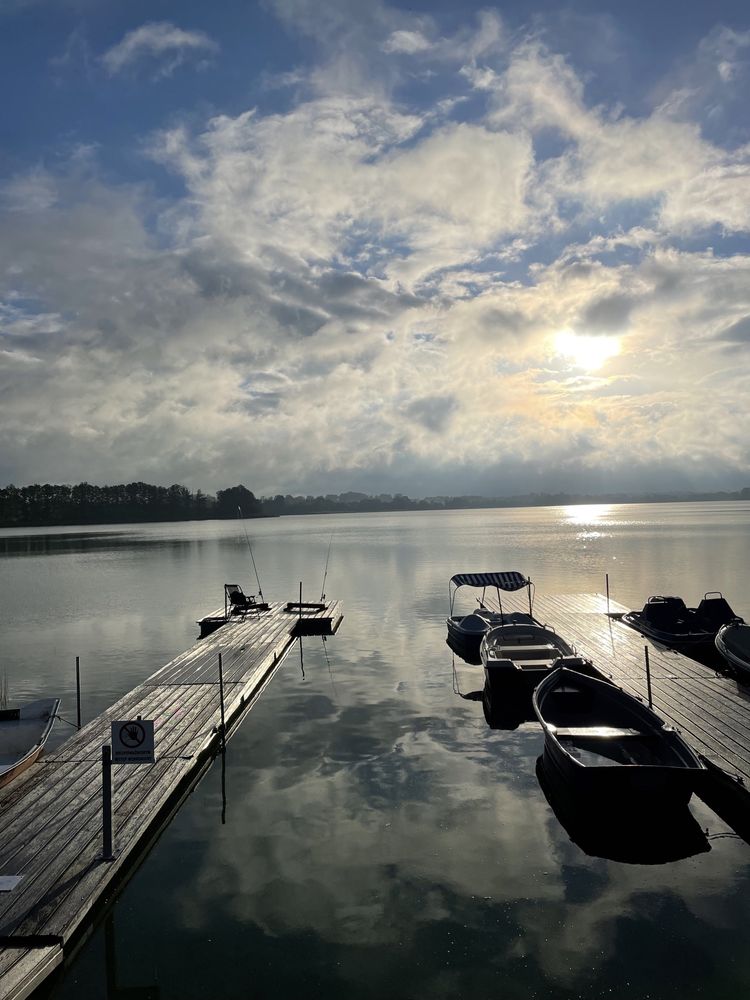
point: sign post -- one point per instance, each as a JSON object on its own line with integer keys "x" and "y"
{"x": 107, "y": 854}
{"x": 132, "y": 743}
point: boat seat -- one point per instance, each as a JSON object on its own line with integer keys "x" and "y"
{"x": 715, "y": 611}
{"x": 501, "y": 664}
{"x": 593, "y": 732}
{"x": 529, "y": 652}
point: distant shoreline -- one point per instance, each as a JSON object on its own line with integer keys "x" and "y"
{"x": 138, "y": 503}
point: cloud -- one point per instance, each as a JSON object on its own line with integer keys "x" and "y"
{"x": 359, "y": 288}
{"x": 160, "y": 42}
{"x": 406, "y": 42}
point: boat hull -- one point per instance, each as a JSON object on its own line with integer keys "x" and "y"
{"x": 644, "y": 835}
{"x": 23, "y": 734}
{"x": 620, "y": 787}
{"x": 733, "y": 643}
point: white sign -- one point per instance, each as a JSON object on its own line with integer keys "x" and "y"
{"x": 133, "y": 741}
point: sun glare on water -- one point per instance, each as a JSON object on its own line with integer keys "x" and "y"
{"x": 586, "y": 351}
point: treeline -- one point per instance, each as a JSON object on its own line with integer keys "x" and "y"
{"x": 37, "y": 505}
{"x": 34, "y": 506}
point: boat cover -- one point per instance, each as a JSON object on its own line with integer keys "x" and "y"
{"x": 505, "y": 581}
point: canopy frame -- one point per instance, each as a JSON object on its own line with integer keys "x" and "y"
{"x": 501, "y": 580}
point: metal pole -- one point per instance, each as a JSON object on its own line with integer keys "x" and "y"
{"x": 107, "y": 854}
{"x": 221, "y": 696}
{"x": 300, "y": 600}
{"x": 78, "y": 689}
{"x": 606, "y": 581}
{"x": 648, "y": 677}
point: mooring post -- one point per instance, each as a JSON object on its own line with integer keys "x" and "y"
{"x": 107, "y": 854}
{"x": 606, "y": 583}
{"x": 221, "y": 697}
{"x": 78, "y": 689}
{"x": 648, "y": 677}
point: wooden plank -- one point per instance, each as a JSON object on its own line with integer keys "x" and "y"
{"x": 23, "y": 969}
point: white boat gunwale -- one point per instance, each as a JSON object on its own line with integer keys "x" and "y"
{"x": 12, "y": 760}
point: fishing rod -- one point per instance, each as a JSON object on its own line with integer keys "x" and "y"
{"x": 325, "y": 574}
{"x": 252, "y": 557}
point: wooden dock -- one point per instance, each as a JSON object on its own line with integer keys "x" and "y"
{"x": 51, "y": 816}
{"x": 710, "y": 708}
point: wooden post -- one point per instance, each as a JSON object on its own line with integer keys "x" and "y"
{"x": 648, "y": 677}
{"x": 221, "y": 697}
{"x": 78, "y": 689}
{"x": 107, "y": 854}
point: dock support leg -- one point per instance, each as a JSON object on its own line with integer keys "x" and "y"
{"x": 221, "y": 698}
{"x": 78, "y": 689}
{"x": 107, "y": 854}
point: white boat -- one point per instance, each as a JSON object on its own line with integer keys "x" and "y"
{"x": 465, "y": 632}
{"x": 733, "y": 642}
{"x": 23, "y": 733}
{"x": 522, "y": 652}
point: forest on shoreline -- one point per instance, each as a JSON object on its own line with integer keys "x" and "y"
{"x": 50, "y": 505}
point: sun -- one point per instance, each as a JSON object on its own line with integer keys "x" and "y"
{"x": 586, "y": 351}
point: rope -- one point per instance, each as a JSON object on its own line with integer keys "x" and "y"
{"x": 67, "y": 721}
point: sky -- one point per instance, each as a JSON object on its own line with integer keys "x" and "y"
{"x": 315, "y": 246}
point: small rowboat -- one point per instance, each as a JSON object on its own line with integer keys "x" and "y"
{"x": 604, "y": 742}
{"x": 521, "y": 654}
{"x": 23, "y": 733}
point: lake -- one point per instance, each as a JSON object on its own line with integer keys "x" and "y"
{"x": 380, "y": 839}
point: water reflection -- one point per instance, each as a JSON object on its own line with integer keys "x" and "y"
{"x": 113, "y": 989}
{"x": 380, "y": 838}
{"x": 587, "y": 514}
{"x": 643, "y": 837}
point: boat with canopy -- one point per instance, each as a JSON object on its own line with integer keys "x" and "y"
{"x": 466, "y": 631}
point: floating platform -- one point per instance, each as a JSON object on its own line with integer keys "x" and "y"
{"x": 51, "y": 816}
{"x": 710, "y": 708}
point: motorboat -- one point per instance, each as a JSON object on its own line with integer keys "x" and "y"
{"x": 669, "y": 621}
{"x": 642, "y": 836}
{"x": 23, "y": 733}
{"x": 604, "y": 742}
{"x": 733, "y": 642}
{"x": 522, "y": 654}
{"x": 465, "y": 632}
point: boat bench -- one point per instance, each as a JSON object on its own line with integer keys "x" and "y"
{"x": 547, "y": 652}
{"x": 506, "y": 663}
{"x": 594, "y": 732}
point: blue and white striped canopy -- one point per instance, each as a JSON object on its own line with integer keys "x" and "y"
{"x": 505, "y": 581}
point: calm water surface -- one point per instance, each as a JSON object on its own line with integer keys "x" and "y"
{"x": 380, "y": 839}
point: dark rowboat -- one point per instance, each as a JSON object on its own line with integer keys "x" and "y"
{"x": 603, "y": 741}
{"x": 23, "y": 733}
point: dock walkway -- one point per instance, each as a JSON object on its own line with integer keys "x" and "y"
{"x": 710, "y": 708}
{"x": 51, "y": 816}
